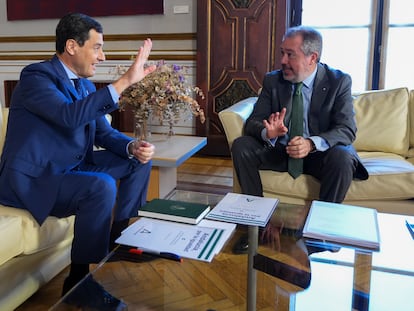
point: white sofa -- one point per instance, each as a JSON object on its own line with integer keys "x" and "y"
{"x": 385, "y": 142}
{"x": 30, "y": 255}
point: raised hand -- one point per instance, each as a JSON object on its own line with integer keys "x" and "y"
{"x": 138, "y": 69}
{"x": 275, "y": 125}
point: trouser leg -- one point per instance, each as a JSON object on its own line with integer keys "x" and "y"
{"x": 246, "y": 162}
{"x": 133, "y": 180}
{"x": 90, "y": 196}
{"x": 335, "y": 170}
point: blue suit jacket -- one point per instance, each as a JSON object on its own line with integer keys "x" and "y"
{"x": 51, "y": 130}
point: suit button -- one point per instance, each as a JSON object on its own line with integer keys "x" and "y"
{"x": 79, "y": 157}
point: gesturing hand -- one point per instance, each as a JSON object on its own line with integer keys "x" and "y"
{"x": 138, "y": 70}
{"x": 275, "y": 126}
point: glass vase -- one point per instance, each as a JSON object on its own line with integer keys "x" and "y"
{"x": 170, "y": 129}
{"x": 140, "y": 129}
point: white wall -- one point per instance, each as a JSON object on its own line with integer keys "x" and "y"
{"x": 167, "y": 23}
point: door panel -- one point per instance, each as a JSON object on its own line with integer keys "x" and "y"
{"x": 236, "y": 46}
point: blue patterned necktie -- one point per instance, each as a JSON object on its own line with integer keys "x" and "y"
{"x": 295, "y": 166}
{"x": 82, "y": 93}
{"x": 79, "y": 87}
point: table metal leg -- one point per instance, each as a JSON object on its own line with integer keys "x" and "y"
{"x": 362, "y": 281}
{"x": 253, "y": 233}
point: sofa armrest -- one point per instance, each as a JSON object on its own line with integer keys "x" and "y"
{"x": 234, "y": 117}
{"x": 3, "y": 125}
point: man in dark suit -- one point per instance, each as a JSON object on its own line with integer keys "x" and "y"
{"x": 324, "y": 150}
{"x": 48, "y": 165}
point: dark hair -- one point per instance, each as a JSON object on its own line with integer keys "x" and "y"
{"x": 312, "y": 39}
{"x": 75, "y": 26}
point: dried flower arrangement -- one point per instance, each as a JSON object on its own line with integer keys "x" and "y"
{"x": 165, "y": 93}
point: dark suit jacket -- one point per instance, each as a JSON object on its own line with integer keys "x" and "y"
{"x": 331, "y": 113}
{"x": 50, "y": 131}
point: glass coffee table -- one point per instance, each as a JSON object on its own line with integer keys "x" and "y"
{"x": 287, "y": 275}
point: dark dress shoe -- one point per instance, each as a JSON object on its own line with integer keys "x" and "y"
{"x": 242, "y": 245}
{"x": 92, "y": 296}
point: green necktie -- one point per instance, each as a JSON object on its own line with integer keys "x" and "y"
{"x": 295, "y": 166}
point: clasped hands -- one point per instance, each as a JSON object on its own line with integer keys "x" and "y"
{"x": 298, "y": 147}
{"x": 142, "y": 150}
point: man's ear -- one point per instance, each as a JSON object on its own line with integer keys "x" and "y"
{"x": 314, "y": 57}
{"x": 71, "y": 46}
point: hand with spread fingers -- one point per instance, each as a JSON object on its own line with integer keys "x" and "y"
{"x": 138, "y": 70}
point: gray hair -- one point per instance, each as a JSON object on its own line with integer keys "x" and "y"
{"x": 312, "y": 39}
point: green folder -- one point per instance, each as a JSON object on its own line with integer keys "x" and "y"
{"x": 186, "y": 212}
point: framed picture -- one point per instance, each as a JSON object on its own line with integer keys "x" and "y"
{"x": 44, "y": 9}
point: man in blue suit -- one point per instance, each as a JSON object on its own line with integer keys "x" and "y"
{"x": 48, "y": 165}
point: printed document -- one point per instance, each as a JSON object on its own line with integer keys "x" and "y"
{"x": 244, "y": 209}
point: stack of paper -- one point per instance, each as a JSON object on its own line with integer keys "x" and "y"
{"x": 200, "y": 242}
{"x": 343, "y": 224}
{"x": 244, "y": 209}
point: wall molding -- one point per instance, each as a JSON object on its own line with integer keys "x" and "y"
{"x": 10, "y": 70}
{"x": 108, "y": 37}
{"x": 34, "y": 57}
{"x": 171, "y": 46}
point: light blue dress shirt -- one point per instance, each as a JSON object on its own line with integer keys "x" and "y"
{"x": 71, "y": 75}
{"x": 319, "y": 142}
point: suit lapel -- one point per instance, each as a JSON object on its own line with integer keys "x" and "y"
{"x": 61, "y": 73}
{"x": 285, "y": 99}
{"x": 90, "y": 128}
{"x": 320, "y": 91}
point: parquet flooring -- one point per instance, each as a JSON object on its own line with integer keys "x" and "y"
{"x": 191, "y": 285}
{"x": 206, "y": 174}
{"x": 198, "y": 174}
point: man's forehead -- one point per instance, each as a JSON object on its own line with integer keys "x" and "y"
{"x": 95, "y": 37}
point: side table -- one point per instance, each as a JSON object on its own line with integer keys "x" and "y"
{"x": 170, "y": 152}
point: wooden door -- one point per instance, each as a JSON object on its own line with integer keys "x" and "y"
{"x": 236, "y": 45}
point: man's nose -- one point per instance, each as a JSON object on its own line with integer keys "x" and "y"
{"x": 101, "y": 56}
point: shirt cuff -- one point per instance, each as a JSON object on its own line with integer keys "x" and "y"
{"x": 130, "y": 156}
{"x": 113, "y": 92}
{"x": 320, "y": 143}
{"x": 271, "y": 142}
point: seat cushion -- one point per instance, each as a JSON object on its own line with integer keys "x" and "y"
{"x": 11, "y": 237}
{"x": 383, "y": 121}
{"x": 35, "y": 237}
{"x": 391, "y": 178}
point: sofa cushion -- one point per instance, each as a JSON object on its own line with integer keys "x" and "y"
{"x": 391, "y": 178}
{"x": 35, "y": 237}
{"x": 383, "y": 121}
{"x": 11, "y": 237}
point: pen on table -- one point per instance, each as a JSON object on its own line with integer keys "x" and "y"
{"x": 165, "y": 255}
{"x": 410, "y": 228}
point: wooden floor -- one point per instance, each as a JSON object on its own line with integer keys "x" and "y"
{"x": 204, "y": 174}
